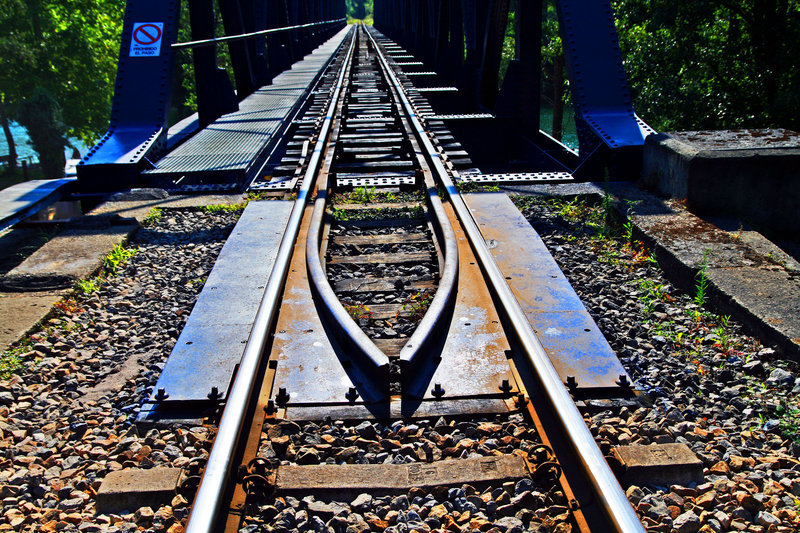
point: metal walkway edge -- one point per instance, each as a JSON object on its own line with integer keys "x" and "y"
{"x": 25, "y": 199}
{"x": 231, "y": 149}
{"x": 573, "y": 342}
{"x": 210, "y": 346}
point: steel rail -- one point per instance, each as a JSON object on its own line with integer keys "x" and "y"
{"x": 347, "y": 332}
{"x": 243, "y": 36}
{"x": 426, "y": 330}
{"x": 217, "y": 474}
{"x": 598, "y": 474}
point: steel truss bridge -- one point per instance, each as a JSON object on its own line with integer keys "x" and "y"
{"x": 454, "y": 56}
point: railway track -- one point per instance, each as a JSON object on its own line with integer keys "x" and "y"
{"x": 384, "y": 306}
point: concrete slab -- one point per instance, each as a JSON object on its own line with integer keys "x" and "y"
{"x": 754, "y": 173}
{"x": 131, "y": 488}
{"x": 28, "y": 291}
{"x": 659, "y": 464}
{"x": 759, "y": 290}
{"x": 73, "y": 254}
{"x": 21, "y": 312}
{"x": 24, "y": 199}
{"x": 389, "y": 477}
{"x": 139, "y": 202}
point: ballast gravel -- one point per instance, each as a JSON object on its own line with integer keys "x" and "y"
{"x": 519, "y": 506}
{"x": 66, "y": 420}
{"x": 406, "y": 302}
{"x": 712, "y": 387}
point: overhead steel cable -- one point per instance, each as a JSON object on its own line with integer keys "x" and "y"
{"x": 243, "y": 36}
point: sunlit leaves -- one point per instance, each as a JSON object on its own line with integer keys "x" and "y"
{"x": 68, "y": 48}
{"x": 712, "y": 64}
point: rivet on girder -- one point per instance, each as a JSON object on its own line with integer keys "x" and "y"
{"x": 270, "y": 407}
{"x": 572, "y": 383}
{"x": 505, "y": 387}
{"x": 352, "y": 395}
{"x": 437, "y": 390}
{"x": 282, "y": 398}
{"x": 623, "y": 381}
{"x": 161, "y": 395}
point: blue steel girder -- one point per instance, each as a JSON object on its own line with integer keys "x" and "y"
{"x": 599, "y": 86}
{"x": 143, "y": 89}
{"x": 142, "y": 94}
{"x": 609, "y": 131}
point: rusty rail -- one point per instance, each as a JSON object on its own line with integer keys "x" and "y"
{"x": 620, "y": 516}
{"x": 209, "y": 499}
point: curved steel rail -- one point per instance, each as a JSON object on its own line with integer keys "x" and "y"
{"x": 209, "y": 499}
{"x": 347, "y": 332}
{"x": 606, "y": 489}
{"x": 351, "y": 334}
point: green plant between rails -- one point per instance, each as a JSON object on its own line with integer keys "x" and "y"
{"x": 417, "y": 304}
{"x": 377, "y": 213}
{"x": 358, "y": 311}
{"x": 117, "y": 257}
{"x": 153, "y": 217}
{"x": 701, "y": 285}
{"x": 363, "y": 195}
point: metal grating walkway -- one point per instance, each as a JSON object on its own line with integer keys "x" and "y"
{"x": 233, "y": 147}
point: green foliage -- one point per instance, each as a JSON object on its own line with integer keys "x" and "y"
{"x": 789, "y": 413}
{"x": 650, "y": 294}
{"x": 88, "y": 286}
{"x": 153, "y": 217}
{"x": 376, "y": 214}
{"x": 358, "y": 311}
{"x": 41, "y": 116}
{"x": 721, "y": 332}
{"x": 472, "y": 186}
{"x": 712, "y": 65}
{"x": 11, "y": 360}
{"x": 418, "y": 303}
{"x": 364, "y": 195}
{"x": 117, "y": 258}
{"x": 701, "y": 285}
{"x": 224, "y": 208}
{"x": 67, "y": 49}
{"x": 359, "y": 10}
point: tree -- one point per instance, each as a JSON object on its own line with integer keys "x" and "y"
{"x": 359, "y": 9}
{"x": 12, "y": 149}
{"x": 712, "y": 64}
{"x": 62, "y": 53}
{"x": 41, "y": 115}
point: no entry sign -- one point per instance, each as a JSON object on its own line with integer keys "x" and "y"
{"x": 146, "y": 39}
